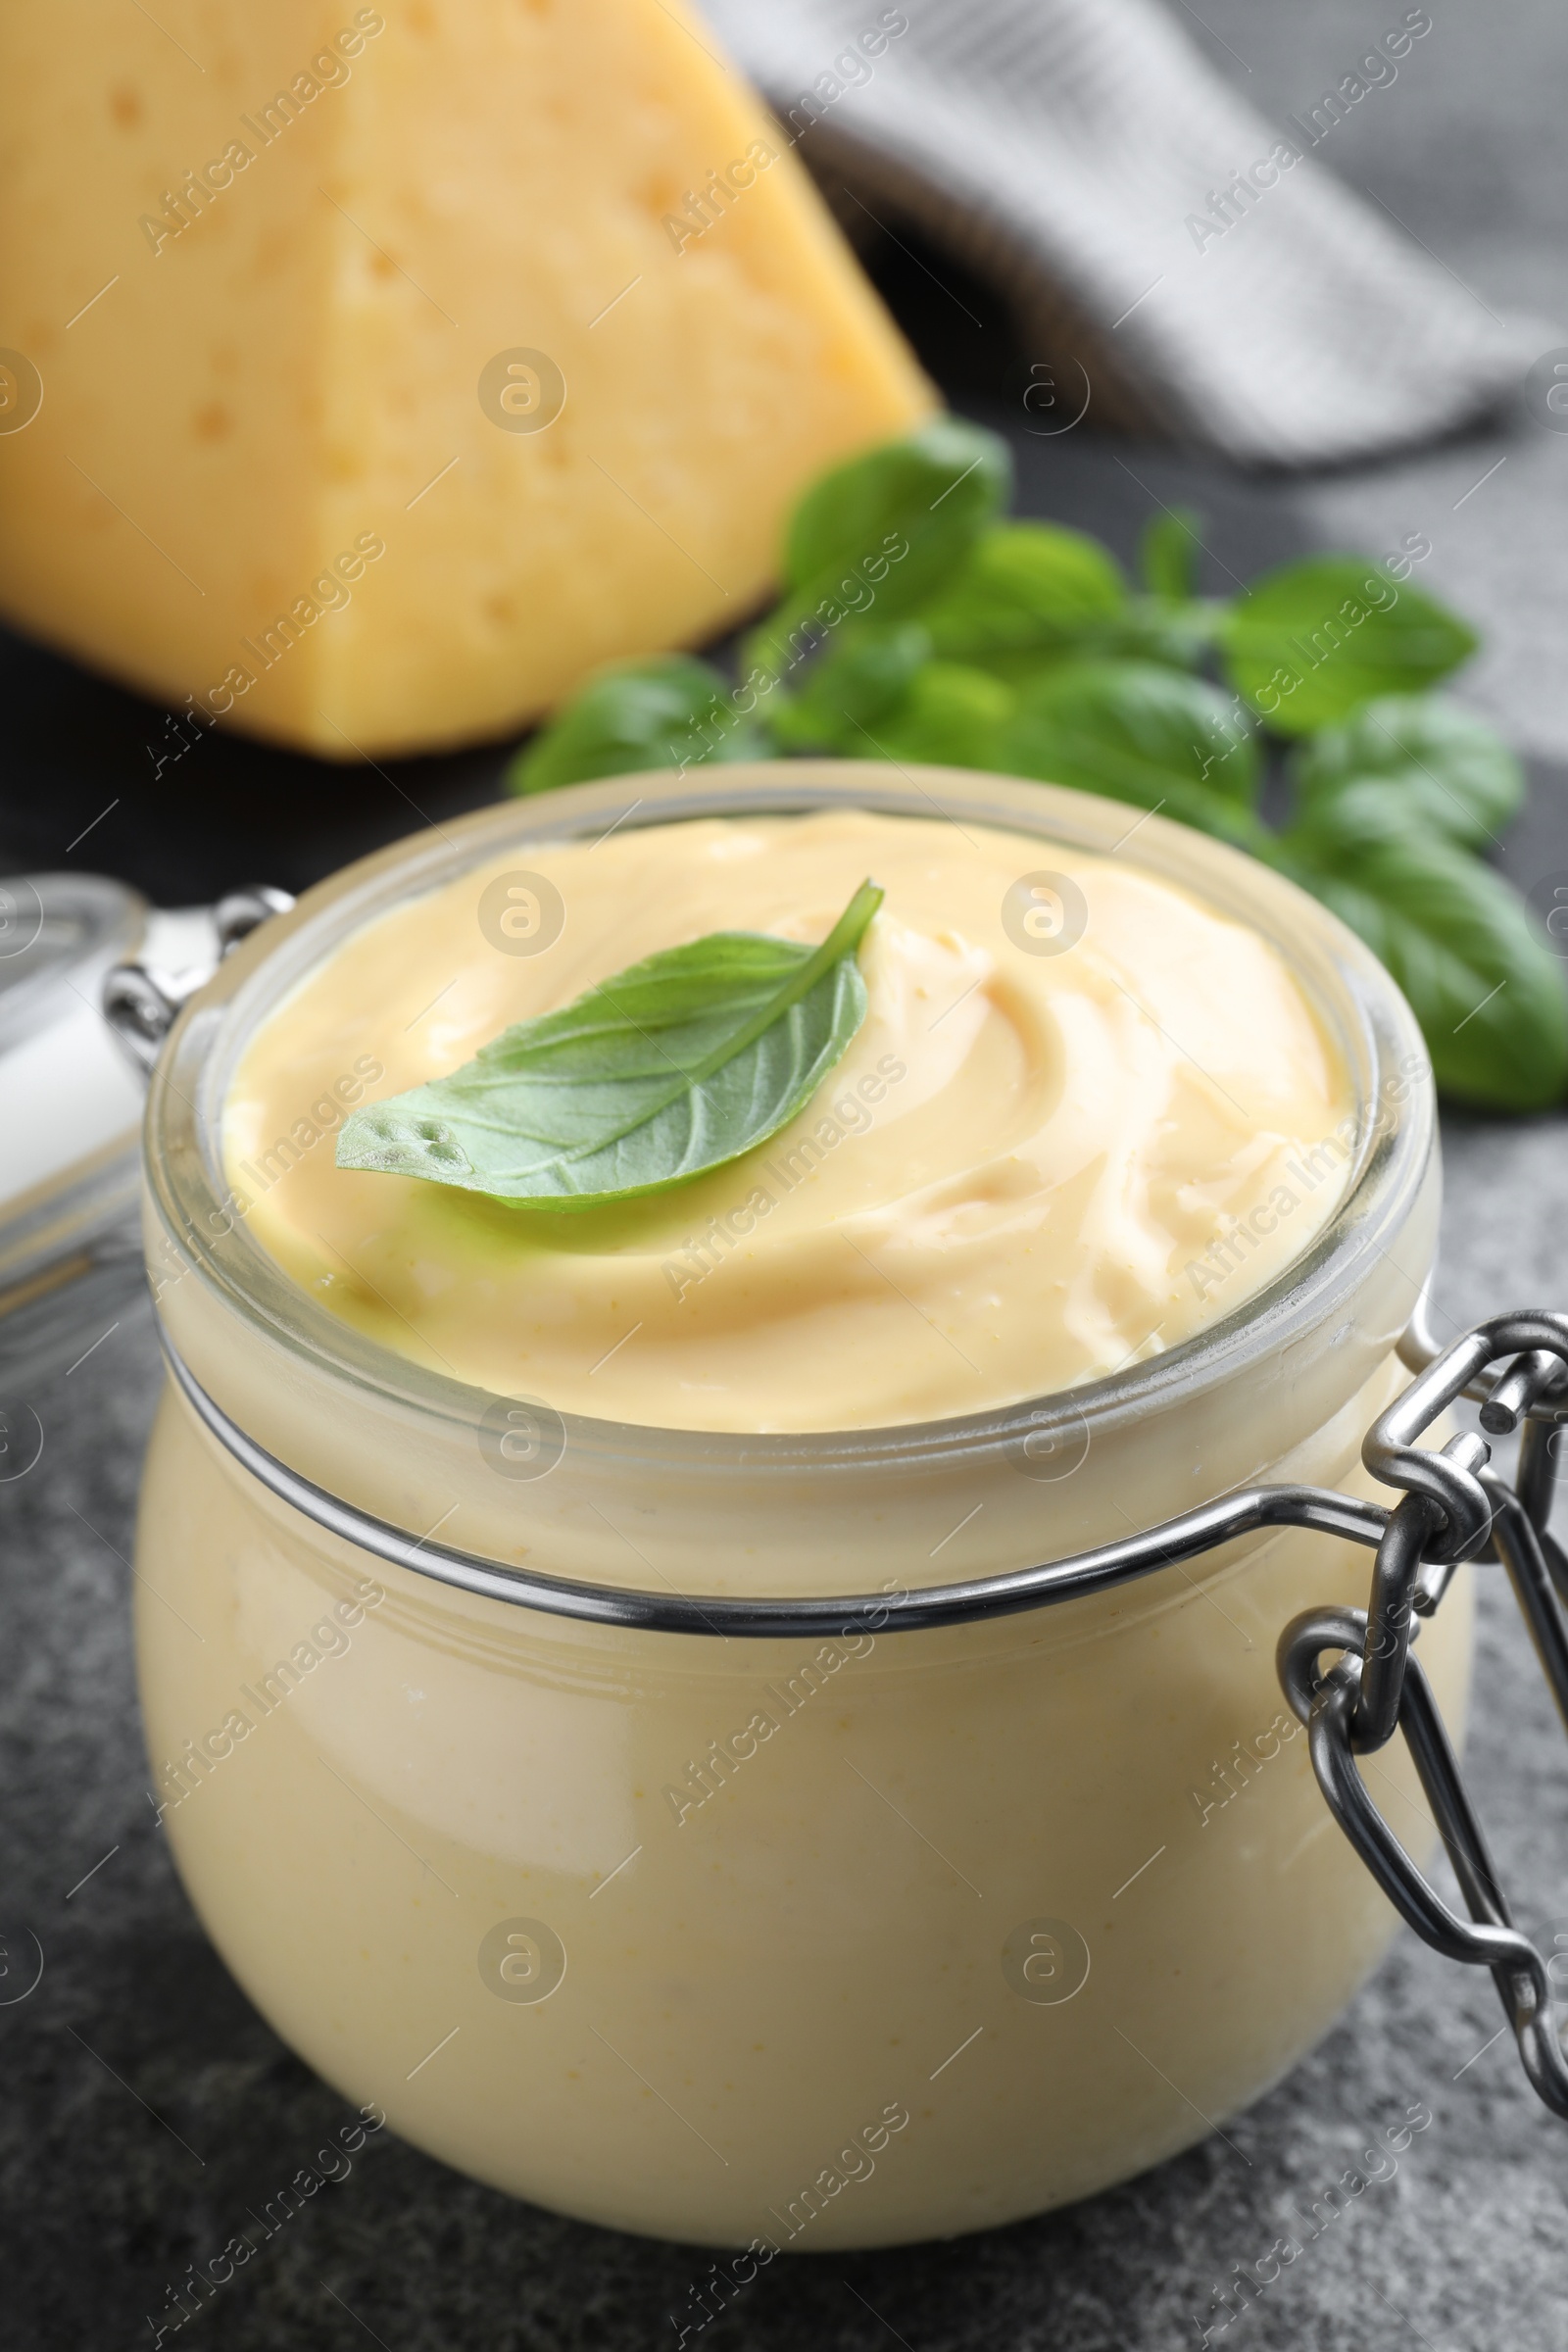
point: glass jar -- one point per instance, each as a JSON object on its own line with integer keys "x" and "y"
{"x": 772, "y": 1943}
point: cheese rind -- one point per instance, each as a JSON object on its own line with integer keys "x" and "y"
{"x": 263, "y": 263}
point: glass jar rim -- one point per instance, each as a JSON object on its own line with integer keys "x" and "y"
{"x": 1354, "y": 995}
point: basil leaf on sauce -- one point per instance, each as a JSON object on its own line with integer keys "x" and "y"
{"x": 676, "y": 1067}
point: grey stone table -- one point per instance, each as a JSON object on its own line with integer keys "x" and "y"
{"x": 149, "y": 2110}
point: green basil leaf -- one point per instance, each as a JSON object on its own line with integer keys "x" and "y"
{"x": 680, "y": 1064}
{"x": 1176, "y": 636}
{"x": 1134, "y": 731}
{"x": 1461, "y": 777}
{"x": 669, "y": 712}
{"x": 861, "y": 674}
{"x": 950, "y": 716}
{"x": 1179, "y": 636}
{"x": 1167, "y": 556}
{"x": 884, "y": 530}
{"x": 1489, "y": 997}
{"x": 1316, "y": 637}
{"x": 1334, "y": 828}
{"x": 1025, "y": 584}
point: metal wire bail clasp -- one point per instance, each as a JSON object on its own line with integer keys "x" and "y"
{"x": 1455, "y": 1507}
{"x": 142, "y": 1002}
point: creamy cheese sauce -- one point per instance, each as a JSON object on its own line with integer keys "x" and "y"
{"x": 1037, "y": 1162}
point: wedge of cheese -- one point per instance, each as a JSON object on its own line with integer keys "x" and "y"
{"x": 367, "y": 375}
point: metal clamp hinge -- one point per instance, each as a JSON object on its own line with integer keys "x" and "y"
{"x": 1455, "y": 1507}
{"x": 141, "y": 1002}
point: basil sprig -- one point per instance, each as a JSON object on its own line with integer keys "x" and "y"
{"x": 887, "y": 527}
{"x": 1450, "y": 931}
{"x": 638, "y": 716}
{"x": 1467, "y": 783}
{"x": 919, "y": 624}
{"x": 1316, "y": 639}
{"x": 677, "y": 1065}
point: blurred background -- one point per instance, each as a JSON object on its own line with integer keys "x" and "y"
{"x": 137, "y": 2042}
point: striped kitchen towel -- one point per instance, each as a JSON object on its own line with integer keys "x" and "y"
{"x": 1187, "y": 267}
